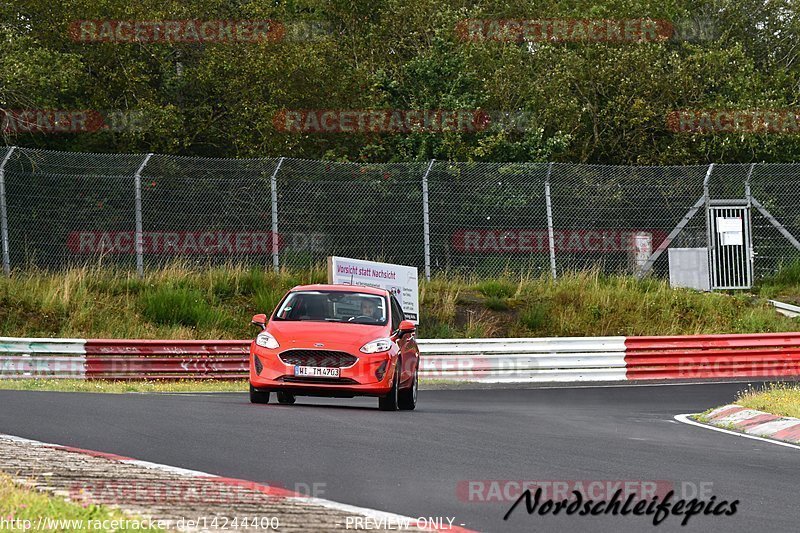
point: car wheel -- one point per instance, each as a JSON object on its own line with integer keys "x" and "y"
{"x": 258, "y": 396}
{"x": 391, "y": 400}
{"x": 408, "y": 397}
{"x": 286, "y": 398}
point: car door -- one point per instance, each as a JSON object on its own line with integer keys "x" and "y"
{"x": 407, "y": 344}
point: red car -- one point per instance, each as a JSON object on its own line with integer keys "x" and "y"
{"x": 336, "y": 340}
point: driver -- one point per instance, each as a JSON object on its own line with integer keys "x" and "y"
{"x": 368, "y": 308}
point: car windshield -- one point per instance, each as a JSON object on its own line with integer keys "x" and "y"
{"x": 334, "y": 306}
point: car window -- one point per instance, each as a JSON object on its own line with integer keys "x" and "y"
{"x": 397, "y": 314}
{"x": 333, "y": 306}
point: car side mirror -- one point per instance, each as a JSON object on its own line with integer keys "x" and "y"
{"x": 259, "y": 320}
{"x": 406, "y": 326}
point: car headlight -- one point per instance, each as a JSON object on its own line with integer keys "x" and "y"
{"x": 265, "y": 340}
{"x": 377, "y": 346}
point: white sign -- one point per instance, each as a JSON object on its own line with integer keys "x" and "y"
{"x": 729, "y": 225}
{"x": 730, "y": 231}
{"x": 400, "y": 280}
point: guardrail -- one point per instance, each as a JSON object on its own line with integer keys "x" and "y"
{"x": 53, "y": 358}
{"x": 123, "y": 359}
{"x": 713, "y": 356}
{"x": 558, "y": 359}
{"x": 792, "y": 311}
{"x": 133, "y": 359}
{"x": 524, "y": 360}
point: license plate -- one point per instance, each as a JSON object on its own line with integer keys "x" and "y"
{"x": 316, "y": 372}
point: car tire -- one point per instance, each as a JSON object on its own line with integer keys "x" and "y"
{"x": 391, "y": 400}
{"x": 407, "y": 398}
{"x": 258, "y": 396}
{"x": 285, "y": 398}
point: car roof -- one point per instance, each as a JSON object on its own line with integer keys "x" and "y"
{"x": 343, "y": 288}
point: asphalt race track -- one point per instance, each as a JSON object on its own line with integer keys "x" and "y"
{"x": 412, "y": 462}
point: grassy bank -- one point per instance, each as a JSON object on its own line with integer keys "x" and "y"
{"x": 119, "y": 387}
{"x": 23, "y": 508}
{"x": 186, "y": 303}
{"x": 781, "y": 399}
{"x": 185, "y": 385}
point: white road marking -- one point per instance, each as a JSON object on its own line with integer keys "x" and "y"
{"x": 167, "y": 468}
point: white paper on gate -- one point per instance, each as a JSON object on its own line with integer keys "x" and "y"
{"x": 732, "y": 238}
{"x": 729, "y": 225}
{"x": 730, "y": 231}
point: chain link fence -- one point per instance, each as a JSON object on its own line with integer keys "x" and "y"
{"x": 140, "y": 211}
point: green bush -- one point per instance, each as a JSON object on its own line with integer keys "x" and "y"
{"x": 496, "y": 304}
{"x": 265, "y": 300}
{"x": 432, "y": 329}
{"x": 177, "y": 306}
{"x": 497, "y": 288}
{"x": 253, "y": 281}
{"x": 788, "y": 274}
{"x": 534, "y": 316}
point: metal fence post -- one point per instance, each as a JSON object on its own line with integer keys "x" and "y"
{"x": 748, "y": 193}
{"x": 426, "y": 221}
{"x": 273, "y": 183}
{"x": 4, "y": 214}
{"x": 550, "y": 233}
{"x": 710, "y": 252}
{"x": 139, "y": 237}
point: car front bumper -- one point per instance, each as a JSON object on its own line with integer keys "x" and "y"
{"x": 361, "y": 379}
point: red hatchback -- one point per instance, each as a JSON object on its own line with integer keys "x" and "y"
{"x": 336, "y": 340}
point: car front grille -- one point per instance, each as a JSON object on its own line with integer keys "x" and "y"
{"x": 320, "y": 358}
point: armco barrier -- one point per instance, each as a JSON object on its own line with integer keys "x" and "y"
{"x": 53, "y": 358}
{"x": 524, "y": 360}
{"x": 135, "y": 359}
{"x": 122, "y": 359}
{"x": 713, "y": 356}
{"x": 564, "y": 359}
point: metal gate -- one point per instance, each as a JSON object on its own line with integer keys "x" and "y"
{"x": 730, "y": 244}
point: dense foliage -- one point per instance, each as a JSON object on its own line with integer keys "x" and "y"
{"x": 599, "y": 102}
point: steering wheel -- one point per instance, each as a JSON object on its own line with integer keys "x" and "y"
{"x": 361, "y": 316}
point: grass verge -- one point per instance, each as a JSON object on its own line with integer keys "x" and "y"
{"x": 20, "y": 505}
{"x": 155, "y": 386}
{"x": 782, "y": 399}
{"x": 182, "y": 301}
{"x": 79, "y": 385}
